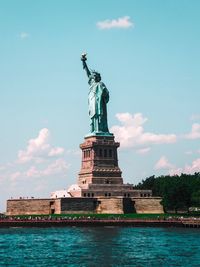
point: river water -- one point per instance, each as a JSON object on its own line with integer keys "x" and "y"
{"x": 99, "y": 246}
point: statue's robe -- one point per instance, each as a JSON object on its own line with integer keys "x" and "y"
{"x": 97, "y": 99}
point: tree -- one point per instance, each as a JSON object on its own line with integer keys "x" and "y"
{"x": 178, "y": 192}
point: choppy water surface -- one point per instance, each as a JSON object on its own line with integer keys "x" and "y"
{"x": 103, "y": 246}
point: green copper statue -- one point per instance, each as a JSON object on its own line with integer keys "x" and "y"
{"x": 98, "y": 97}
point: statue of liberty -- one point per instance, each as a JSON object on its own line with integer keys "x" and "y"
{"x": 98, "y": 98}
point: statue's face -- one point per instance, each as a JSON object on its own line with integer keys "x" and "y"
{"x": 97, "y": 77}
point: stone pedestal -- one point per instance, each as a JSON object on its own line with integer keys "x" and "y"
{"x": 99, "y": 162}
{"x": 100, "y": 175}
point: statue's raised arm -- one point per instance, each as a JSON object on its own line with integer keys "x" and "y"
{"x": 98, "y": 98}
{"x": 85, "y": 67}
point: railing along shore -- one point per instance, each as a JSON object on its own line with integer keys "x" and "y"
{"x": 84, "y": 222}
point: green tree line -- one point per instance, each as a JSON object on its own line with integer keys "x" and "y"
{"x": 177, "y": 192}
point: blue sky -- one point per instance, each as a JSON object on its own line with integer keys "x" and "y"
{"x": 148, "y": 54}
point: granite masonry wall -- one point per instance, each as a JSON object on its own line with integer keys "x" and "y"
{"x": 148, "y": 205}
{"x": 110, "y": 205}
{"x": 117, "y": 205}
{"x": 28, "y": 206}
{"x": 78, "y": 205}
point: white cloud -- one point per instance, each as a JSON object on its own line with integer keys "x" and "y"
{"x": 192, "y": 152}
{"x": 2, "y": 167}
{"x": 188, "y": 169}
{"x": 32, "y": 172}
{"x": 38, "y": 149}
{"x": 39, "y": 159}
{"x": 56, "y": 167}
{"x": 195, "y": 132}
{"x": 15, "y": 175}
{"x": 143, "y": 151}
{"x": 2, "y": 178}
{"x": 194, "y": 167}
{"x": 131, "y": 132}
{"x": 24, "y": 35}
{"x": 175, "y": 171}
{"x": 195, "y": 117}
{"x": 163, "y": 164}
{"x": 131, "y": 120}
{"x": 123, "y": 23}
{"x": 41, "y": 186}
{"x": 56, "y": 151}
{"x": 188, "y": 152}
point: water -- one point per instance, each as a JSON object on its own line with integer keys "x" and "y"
{"x": 100, "y": 246}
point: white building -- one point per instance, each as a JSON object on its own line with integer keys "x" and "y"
{"x": 73, "y": 191}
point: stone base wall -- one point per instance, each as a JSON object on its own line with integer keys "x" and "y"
{"x": 110, "y": 205}
{"x": 28, "y": 206}
{"x": 115, "y": 205}
{"x": 78, "y": 205}
{"x": 148, "y": 205}
{"x": 56, "y": 204}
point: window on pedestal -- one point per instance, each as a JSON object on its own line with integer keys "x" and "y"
{"x": 105, "y": 153}
{"x": 110, "y": 153}
{"x": 86, "y": 153}
{"x": 100, "y": 152}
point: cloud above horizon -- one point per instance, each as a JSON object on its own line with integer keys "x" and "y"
{"x": 194, "y": 133}
{"x": 195, "y": 117}
{"x": 57, "y": 166}
{"x": 119, "y": 23}
{"x": 164, "y": 164}
{"x": 143, "y": 151}
{"x": 39, "y": 148}
{"x": 24, "y": 35}
{"x": 39, "y": 159}
{"x": 131, "y": 132}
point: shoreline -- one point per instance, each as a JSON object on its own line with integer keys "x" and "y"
{"x": 41, "y": 223}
